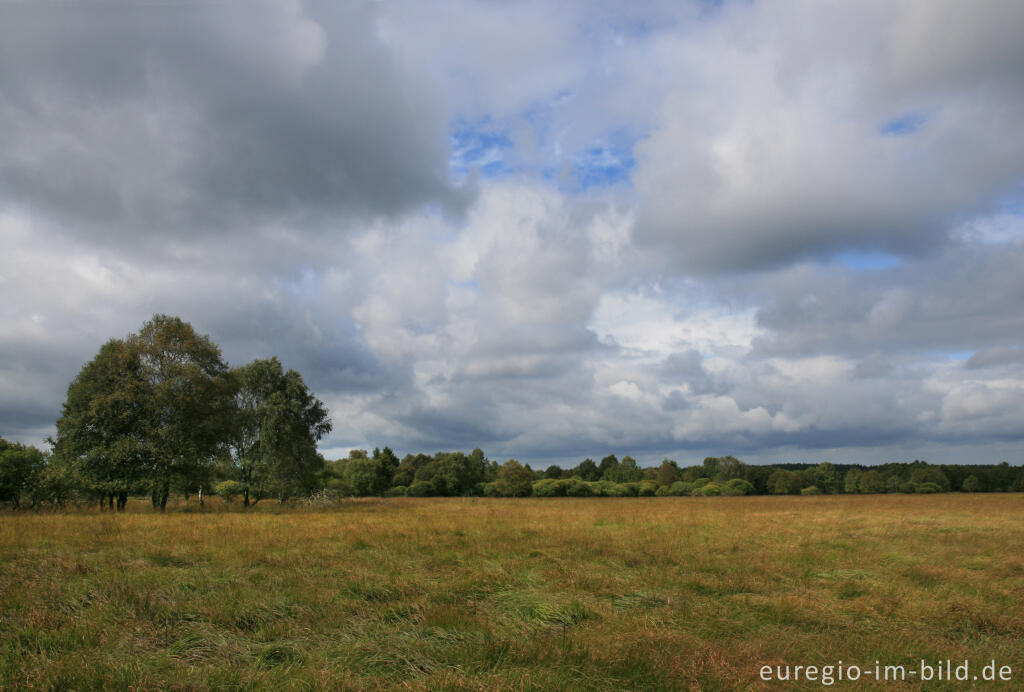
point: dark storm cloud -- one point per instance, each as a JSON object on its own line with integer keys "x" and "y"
{"x": 127, "y": 119}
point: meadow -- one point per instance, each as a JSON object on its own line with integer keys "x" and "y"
{"x": 488, "y": 594}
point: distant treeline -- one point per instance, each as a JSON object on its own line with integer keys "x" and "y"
{"x": 456, "y": 473}
{"x": 160, "y": 412}
{"x": 32, "y": 478}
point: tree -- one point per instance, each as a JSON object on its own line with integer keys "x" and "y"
{"x": 587, "y": 470}
{"x": 783, "y": 482}
{"x": 277, "y": 425}
{"x": 514, "y": 480}
{"x": 554, "y": 471}
{"x": 21, "y": 471}
{"x": 102, "y": 434}
{"x": 851, "y": 482}
{"x": 405, "y": 474}
{"x": 823, "y": 476}
{"x": 362, "y": 476}
{"x": 971, "y": 484}
{"x": 606, "y": 465}
{"x": 725, "y": 468}
{"x": 625, "y": 471}
{"x": 152, "y": 409}
{"x": 922, "y": 473}
{"x": 453, "y": 473}
{"x": 187, "y": 403}
{"x": 668, "y": 472}
{"x": 389, "y": 464}
{"x": 710, "y": 465}
{"x": 872, "y": 482}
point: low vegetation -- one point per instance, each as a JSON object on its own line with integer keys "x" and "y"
{"x": 488, "y": 594}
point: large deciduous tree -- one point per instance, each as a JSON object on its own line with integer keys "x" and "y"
{"x": 153, "y": 409}
{"x": 188, "y": 403}
{"x": 102, "y": 431}
{"x": 277, "y": 425}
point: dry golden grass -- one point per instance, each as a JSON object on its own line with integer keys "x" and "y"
{"x": 589, "y": 594}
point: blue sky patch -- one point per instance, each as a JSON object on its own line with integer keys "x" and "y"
{"x": 866, "y": 261}
{"x": 904, "y": 125}
{"x": 481, "y": 145}
{"x": 607, "y": 163}
{"x": 485, "y": 146}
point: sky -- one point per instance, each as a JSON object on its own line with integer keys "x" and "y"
{"x": 787, "y": 231}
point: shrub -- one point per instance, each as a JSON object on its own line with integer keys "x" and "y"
{"x": 647, "y": 489}
{"x": 229, "y": 490}
{"x": 738, "y": 486}
{"x": 618, "y": 490}
{"x": 323, "y": 498}
{"x": 663, "y": 491}
{"x": 337, "y": 487}
{"x": 421, "y": 489}
{"x": 680, "y": 488}
{"x": 699, "y": 483}
{"x": 971, "y": 484}
{"x": 908, "y": 487}
{"x": 490, "y": 490}
{"x": 397, "y": 491}
{"x": 578, "y": 488}
{"x": 929, "y": 488}
{"x": 549, "y": 487}
{"x": 811, "y": 490}
{"x": 710, "y": 489}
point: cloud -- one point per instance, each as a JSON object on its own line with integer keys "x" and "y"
{"x": 991, "y": 357}
{"x": 124, "y": 122}
{"x": 945, "y": 303}
{"x": 771, "y": 144}
{"x": 780, "y": 231}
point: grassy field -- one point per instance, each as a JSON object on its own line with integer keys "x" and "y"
{"x": 589, "y": 594}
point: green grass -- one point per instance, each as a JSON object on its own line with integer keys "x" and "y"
{"x": 588, "y": 594}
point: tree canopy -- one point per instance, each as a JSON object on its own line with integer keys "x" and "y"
{"x": 277, "y": 425}
{"x": 158, "y": 409}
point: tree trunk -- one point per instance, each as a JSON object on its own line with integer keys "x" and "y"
{"x": 245, "y": 497}
{"x": 200, "y": 497}
{"x": 161, "y": 489}
{"x": 122, "y": 501}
